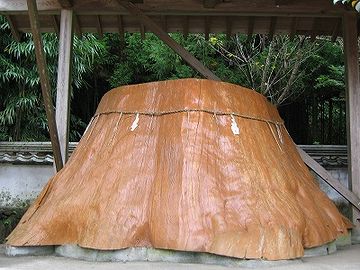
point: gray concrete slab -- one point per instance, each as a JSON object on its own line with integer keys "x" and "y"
{"x": 348, "y": 259}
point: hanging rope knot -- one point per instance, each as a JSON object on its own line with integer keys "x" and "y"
{"x": 234, "y": 127}
{"x": 135, "y": 124}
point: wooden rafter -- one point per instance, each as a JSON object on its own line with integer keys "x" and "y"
{"x": 15, "y": 33}
{"x": 207, "y": 27}
{"x": 336, "y": 30}
{"x": 142, "y": 31}
{"x": 56, "y": 24}
{"x": 45, "y": 82}
{"x": 164, "y": 23}
{"x": 210, "y": 3}
{"x": 229, "y": 27}
{"x": 250, "y": 30}
{"x": 99, "y": 26}
{"x": 272, "y": 27}
{"x": 324, "y": 174}
{"x": 65, "y": 3}
{"x": 77, "y": 26}
{"x": 121, "y": 31}
{"x": 293, "y": 28}
{"x": 186, "y": 26}
{"x": 314, "y": 28}
{"x": 159, "y": 32}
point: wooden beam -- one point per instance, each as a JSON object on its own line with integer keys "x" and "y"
{"x": 65, "y": 3}
{"x": 164, "y": 23}
{"x": 152, "y": 26}
{"x": 15, "y": 33}
{"x": 352, "y": 104}
{"x": 314, "y": 31}
{"x": 210, "y": 3}
{"x": 77, "y": 26}
{"x": 121, "y": 31}
{"x": 99, "y": 26}
{"x": 324, "y": 174}
{"x": 293, "y": 28}
{"x": 207, "y": 25}
{"x": 186, "y": 27}
{"x": 142, "y": 31}
{"x": 272, "y": 27}
{"x": 250, "y": 30}
{"x": 63, "y": 86}
{"x": 228, "y": 27}
{"x": 56, "y": 25}
{"x": 336, "y": 30}
{"x": 45, "y": 83}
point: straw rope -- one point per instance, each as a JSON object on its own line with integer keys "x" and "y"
{"x": 161, "y": 113}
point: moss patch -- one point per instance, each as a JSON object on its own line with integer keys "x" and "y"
{"x": 9, "y": 218}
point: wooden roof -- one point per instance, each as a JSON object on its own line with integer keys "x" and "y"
{"x": 311, "y": 17}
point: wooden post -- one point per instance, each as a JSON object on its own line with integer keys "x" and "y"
{"x": 44, "y": 81}
{"x": 64, "y": 81}
{"x": 350, "y": 36}
{"x": 324, "y": 174}
{"x": 160, "y": 33}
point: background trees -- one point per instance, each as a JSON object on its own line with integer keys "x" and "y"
{"x": 303, "y": 78}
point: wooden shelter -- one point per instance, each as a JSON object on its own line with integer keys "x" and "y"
{"x": 316, "y": 17}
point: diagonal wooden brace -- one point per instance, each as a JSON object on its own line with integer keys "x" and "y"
{"x": 324, "y": 174}
{"x": 161, "y": 34}
{"x": 45, "y": 83}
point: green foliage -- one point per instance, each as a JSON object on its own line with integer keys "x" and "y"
{"x": 22, "y": 116}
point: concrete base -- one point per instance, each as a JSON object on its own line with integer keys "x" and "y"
{"x": 29, "y": 251}
{"x": 343, "y": 241}
{"x": 355, "y": 235}
{"x": 160, "y": 255}
{"x": 320, "y": 251}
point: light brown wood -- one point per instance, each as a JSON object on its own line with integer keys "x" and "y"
{"x": 45, "y": 83}
{"x": 189, "y": 58}
{"x": 352, "y": 104}
{"x": 183, "y": 180}
{"x": 63, "y": 86}
{"x": 14, "y": 31}
{"x": 324, "y": 174}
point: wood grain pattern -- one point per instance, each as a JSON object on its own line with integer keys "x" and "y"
{"x": 352, "y": 105}
{"x": 63, "y": 86}
{"x": 184, "y": 180}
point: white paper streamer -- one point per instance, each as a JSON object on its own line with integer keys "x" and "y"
{"x": 234, "y": 127}
{"x": 135, "y": 124}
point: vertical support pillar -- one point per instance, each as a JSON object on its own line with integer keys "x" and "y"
{"x": 64, "y": 81}
{"x": 44, "y": 82}
{"x": 353, "y": 110}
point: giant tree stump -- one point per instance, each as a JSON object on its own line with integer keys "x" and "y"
{"x": 191, "y": 165}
